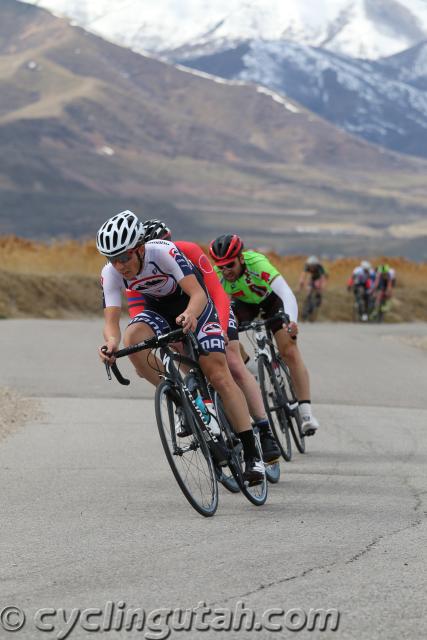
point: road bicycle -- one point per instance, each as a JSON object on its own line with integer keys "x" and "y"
{"x": 311, "y": 305}
{"x": 280, "y": 400}
{"x": 198, "y": 458}
{"x": 363, "y": 303}
{"x": 381, "y": 306}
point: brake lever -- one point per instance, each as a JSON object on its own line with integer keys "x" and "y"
{"x": 107, "y": 364}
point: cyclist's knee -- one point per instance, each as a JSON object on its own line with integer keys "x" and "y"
{"x": 220, "y": 378}
{"x": 136, "y": 333}
{"x": 290, "y": 353}
{"x": 235, "y": 364}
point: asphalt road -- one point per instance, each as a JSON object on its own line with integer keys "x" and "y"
{"x": 91, "y": 514}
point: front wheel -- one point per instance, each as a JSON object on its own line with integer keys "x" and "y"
{"x": 188, "y": 456}
{"x": 291, "y": 407}
{"x": 274, "y": 403}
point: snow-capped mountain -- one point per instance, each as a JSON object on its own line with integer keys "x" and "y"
{"x": 384, "y": 101}
{"x": 361, "y": 64}
{"x": 357, "y": 28}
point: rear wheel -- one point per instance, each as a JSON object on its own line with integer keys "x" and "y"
{"x": 257, "y": 494}
{"x": 274, "y": 403}
{"x": 226, "y": 478}
{"x": 272, "y": 471}
{"x": 189, "y": 456}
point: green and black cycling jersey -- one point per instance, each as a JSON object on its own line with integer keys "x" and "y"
{"x": 254, "y": 285}
{"x": 316, "y": 272}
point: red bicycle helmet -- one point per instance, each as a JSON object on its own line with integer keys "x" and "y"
{"x": 225, "y": 248}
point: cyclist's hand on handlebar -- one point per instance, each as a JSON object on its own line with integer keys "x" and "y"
{"x": 187, "y": 321}
{"x": 292, "y": 329}
{"x": 106, "y": 349}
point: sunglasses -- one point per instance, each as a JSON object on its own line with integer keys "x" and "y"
{"x": 229, "y": 265}
{"x": 122, "y": 257}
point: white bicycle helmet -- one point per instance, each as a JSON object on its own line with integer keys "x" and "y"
{"x": 118, "y": 234}
{"x": 312, "y": 260}
{"x": 366, "y": 265}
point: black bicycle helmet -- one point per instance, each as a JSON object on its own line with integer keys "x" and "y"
{"x": 156, "y": 230}
{"x": 225, "y": 248}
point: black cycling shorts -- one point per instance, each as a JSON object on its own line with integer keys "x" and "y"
{"x": 246, "y": 312}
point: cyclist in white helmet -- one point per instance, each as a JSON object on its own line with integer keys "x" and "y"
{"x": 175, "y": 295}
{"x": 313, "y": 278}
{"x": 360, "y": 282}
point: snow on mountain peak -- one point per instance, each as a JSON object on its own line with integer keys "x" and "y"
{"x": 357, "y": 28}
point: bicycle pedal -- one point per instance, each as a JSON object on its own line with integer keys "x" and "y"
{"x": 253, "y": 483}
{"x": 309, "y": 432}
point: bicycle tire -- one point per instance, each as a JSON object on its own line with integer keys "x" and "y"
{"x": 272, "y": 471}
{"x": 256, "y": 494}
{"x": 188, "y": 457}
{"x": 274, "y": 402}
{"x": 307, "y": 308}
{"x": 292, "y": 412}
{"x": 226, "y": 478}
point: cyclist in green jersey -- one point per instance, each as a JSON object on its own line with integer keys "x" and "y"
{"x": 257, "y": 287}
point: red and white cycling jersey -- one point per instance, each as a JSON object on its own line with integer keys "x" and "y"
{"x": 195, "y": 254}
{"x": 164, "y": 266}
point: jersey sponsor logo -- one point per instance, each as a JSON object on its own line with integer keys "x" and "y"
{"x": 212, "y": 328}
{"x": 265, "y": 276}
{"x": 205, "y": 265}
{"x": 213, "y": 344}
{"x": 154, "y": 283}
{"x": 258, "y": 290}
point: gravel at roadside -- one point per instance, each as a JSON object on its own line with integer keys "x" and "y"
{"x": 15, "y": 411}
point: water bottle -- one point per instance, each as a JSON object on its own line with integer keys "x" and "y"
{"x": 208, "y": 414}
{"x": 213, "y": 420}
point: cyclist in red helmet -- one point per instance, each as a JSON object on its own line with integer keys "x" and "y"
{"x": 257, "y": 287}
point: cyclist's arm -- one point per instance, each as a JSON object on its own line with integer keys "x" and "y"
{"x": 283, "y": 290}
{"x": 213, "y": 285}
{"x": 302, "y": 281}
{"x": 112, "y": 331}
{"x": 219, "y": 298}
{"x": 111, "y": 288}
{"x": 196, "y": 304}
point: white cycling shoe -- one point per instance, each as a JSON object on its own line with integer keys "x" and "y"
{"x": 309, "y": 425}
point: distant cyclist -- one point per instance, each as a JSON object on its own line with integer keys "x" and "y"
{"x": 155, "y": 230}
{"x": 360, "y": 283}
{"x": 175, "y": 296}
{"x": 313, "y": 279}
{"x": 382, "y": 288}
{"x": 256, "y": 288}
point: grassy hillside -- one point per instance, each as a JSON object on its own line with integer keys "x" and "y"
{"x": 61, "y": 279}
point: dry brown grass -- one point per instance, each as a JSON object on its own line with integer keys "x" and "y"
{"x": 61, "y": 279}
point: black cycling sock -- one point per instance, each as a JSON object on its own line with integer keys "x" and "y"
{"x": 248, "y": 441}
{"x": 304, "y": 401}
